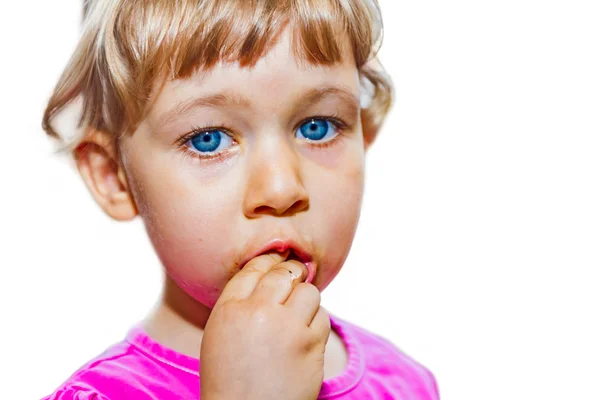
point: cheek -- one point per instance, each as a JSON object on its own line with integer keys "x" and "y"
{"x": 191, "y": 246}
{"x": 184, "y": 216}
{"x": 338, "y": 199}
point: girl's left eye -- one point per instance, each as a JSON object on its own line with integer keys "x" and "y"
{"x": 210, "y": 142}
{"x": 317, "y": 129}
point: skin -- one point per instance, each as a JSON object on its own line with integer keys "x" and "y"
{"x": 204, "y": 216}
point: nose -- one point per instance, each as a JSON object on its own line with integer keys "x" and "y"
{"x": 275, "y": 186}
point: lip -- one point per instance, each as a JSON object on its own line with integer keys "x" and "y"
{"x": 281, "y": 245}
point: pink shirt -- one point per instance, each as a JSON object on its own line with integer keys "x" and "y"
{"x": 140, "y": 368}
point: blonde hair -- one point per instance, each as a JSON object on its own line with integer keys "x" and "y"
{"x": 128, "y": 47}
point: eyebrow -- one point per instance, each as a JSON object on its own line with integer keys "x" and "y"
{"x": 227, "y": 98}
{"x": 349, "y": 100}
{"x": 212, "y": 100}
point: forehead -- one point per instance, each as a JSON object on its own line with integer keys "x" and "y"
{"x": 275, "y": 78}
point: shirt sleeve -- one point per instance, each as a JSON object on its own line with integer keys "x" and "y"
{"x": 74, "y": 394}
{"x": 433, "y": 386}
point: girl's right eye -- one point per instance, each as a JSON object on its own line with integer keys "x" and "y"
{"x": 210, "y": 142}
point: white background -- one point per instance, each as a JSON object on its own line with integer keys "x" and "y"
{"x": 478, "y": 250}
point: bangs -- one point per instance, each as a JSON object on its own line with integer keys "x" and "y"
{"x": 129, "y": 47}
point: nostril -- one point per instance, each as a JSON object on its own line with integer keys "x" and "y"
{"x": 298, "y": 206}
{"x": 263, "y": 210}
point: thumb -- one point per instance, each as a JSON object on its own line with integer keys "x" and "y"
{"x": 243, "y": 283}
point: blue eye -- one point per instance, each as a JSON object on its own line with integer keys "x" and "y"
{"x": 210, "y": 141}
{"x": 316, "y": 129}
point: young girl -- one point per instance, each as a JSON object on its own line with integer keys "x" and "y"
{"x": 237, "y": 130}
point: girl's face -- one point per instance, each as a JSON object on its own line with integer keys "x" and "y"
{"x": 231, "y": 159}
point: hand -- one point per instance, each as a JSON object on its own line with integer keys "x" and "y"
{"x": 265, "y": 338}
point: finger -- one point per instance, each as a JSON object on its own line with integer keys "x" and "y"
{"x": 321, "y": 324}
{"x": 305, "y": 301}
{"x": 277, "y": 284}
{"x": 243, "y": 283}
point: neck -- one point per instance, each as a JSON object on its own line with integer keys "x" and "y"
{"x": 178, "y": 320}
{"x": 178, "y": 323}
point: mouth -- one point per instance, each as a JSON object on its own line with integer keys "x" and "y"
{"x": 296, "y": 253}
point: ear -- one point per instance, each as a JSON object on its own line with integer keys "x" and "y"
{"x": 369, "y": 133}
{"x": 368, "y": 141}
{"x": 99, "y": 165}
